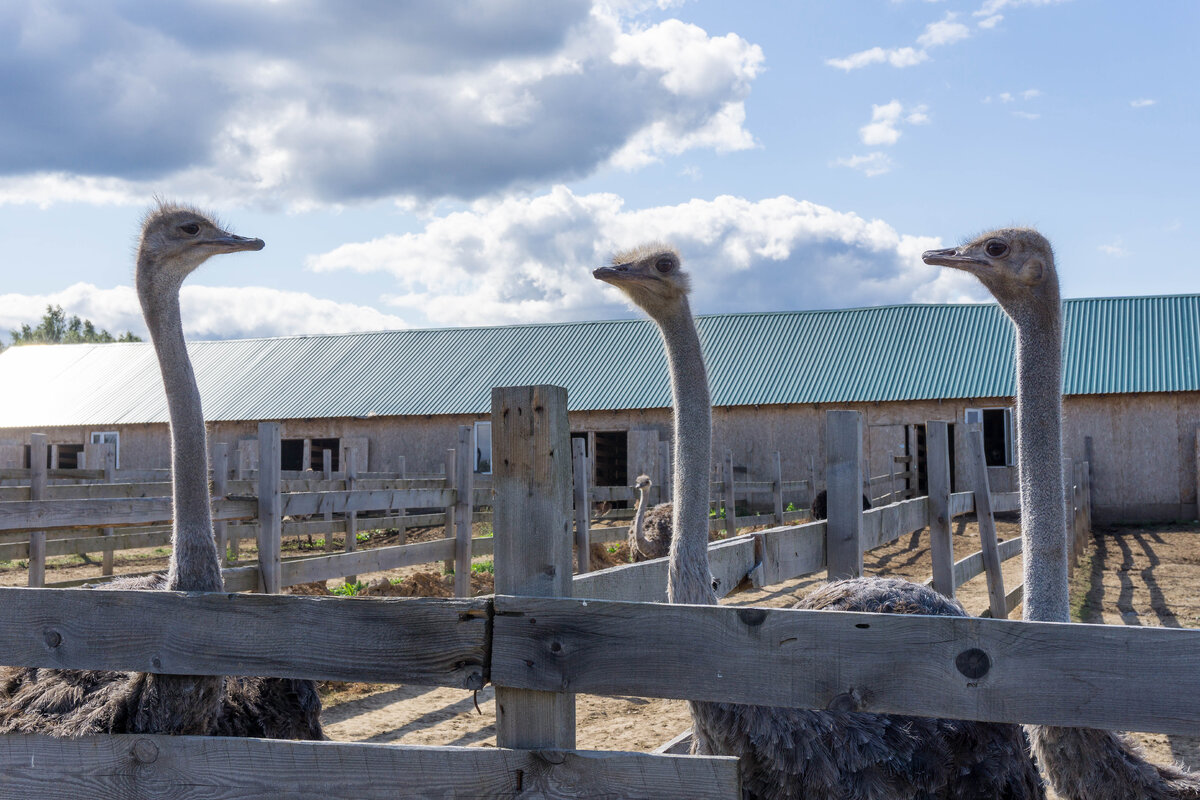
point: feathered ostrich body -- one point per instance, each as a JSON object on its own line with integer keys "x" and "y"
{"x": 650, "y": 533}
{"x": 175, "y": 241}
{"x": 797, "y": 753}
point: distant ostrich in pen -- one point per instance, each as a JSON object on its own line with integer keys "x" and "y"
{"x": 175, "y": 241}
{"x": 788, "y": 752}
{"x": 1017, "y": 267}
{"x": 650, "y": 533}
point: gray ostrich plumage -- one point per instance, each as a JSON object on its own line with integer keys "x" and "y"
{"x": 650, "y": 533}
{"x": 175, "y": 241}
{"x": 797, "y": 753}
{"x": 1017, "y": 267}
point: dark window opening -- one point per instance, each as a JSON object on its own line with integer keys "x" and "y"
{"x": 291, "y": 455}
{"x": 995, "y": 436}
{"x": 611, "y": 459}
{"x": 69, "y": 457}
{"x": 318, "y": 459}
{"x": 923, "y": 460}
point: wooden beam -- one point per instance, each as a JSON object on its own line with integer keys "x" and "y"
{"x": 350, "y": 541}
{"x": 365, "y": 500}
{"x": 220, "y": 466}
{"x": 777, "y": 488}
{"x": 192, "y": 766}
{"x": 320, "y": 568}
{"x": 429, "y": 641}
{"x": 531, "y": 473}
{"x": 941, "y": 541}
{"x": 730, "y": 493}
{"x": 105, "y": 513}
{"x": 464, "y": 490}
{"x": 955, "y": 667}
{"x": 986, "y": 522}
{"x": 37, "y": 491}
{"x": 730, "y": 561}
{"x": 270, "y": 513}
{"x": 843, "y": 476}
{"x": 579, "y": 473}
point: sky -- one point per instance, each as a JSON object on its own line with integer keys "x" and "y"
{"x": 420, "y": 165}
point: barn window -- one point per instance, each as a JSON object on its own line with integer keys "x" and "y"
{"x": 998, "y": 436}
{"x": 69, "y": 456}
{"x": 318, "y": 458}
{"x": 611, "y": 458}
{"x": 109, "y": 437}
{"x": 483, "y": 447}
{"x": 291, "y": 455}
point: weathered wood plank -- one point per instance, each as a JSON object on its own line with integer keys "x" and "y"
{"x": 37, "y": 492}
{"x": 961, "y": 503}
{"x": 325, "y": 567}
{"x": 270, "y": 514}
{"x": 107, "y": 513}
{"x": 987, "y": 526}
{"x": 143, "y": 767}
{"x": 941, "y": 542}
{"x": 789, "y": 552}
{"x": 1044, "y": 673}
{"x": 730, "y": 561}
{"x": 843, "y": 476}
{"x": 394, "y": 640}
{"x": 86, "y": 491}
{"x": 365, "y": 500}
{"x": 89, "y": 544}
{"x": 579, "y": 474}
{"x": 611, "y": 494}
{"x": 888, "y": 523}
{"x": 1006, "y": 501}
{"x": 464, "y": 485}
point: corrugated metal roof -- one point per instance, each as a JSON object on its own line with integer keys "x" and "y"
{"x": 911, "y": 352}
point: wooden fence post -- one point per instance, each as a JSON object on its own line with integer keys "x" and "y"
{"x": 327, "y": 474}
{"x": 665, "y": 473}
{"x": 987, "y": 524}
{"x": 1080, "y": 512}
{"x": 941, "y": 541}
{"x": 531, "y": 469}
{"x": 1068, "y": 473}
{"x": 270, "y": 510}
{"x": 777, "y": 489}
{"x": 843, "y": 480}
{"x": 451, "y": 520}
{"x": 730, "y": 495}
{"x": 401, "y": 528}
{"x": 351, "y": 543}
{"x": 464, "y": 482}
{"x": 109, "y": 460}
{"x": 579, "y": 472}
{"x": 38, "y": 454}
{"x": 220, "y": 466}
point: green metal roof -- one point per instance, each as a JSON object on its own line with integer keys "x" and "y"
{"x": 911, "y": 352}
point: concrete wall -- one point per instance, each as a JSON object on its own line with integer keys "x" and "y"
{"x": 1144, "y": 445}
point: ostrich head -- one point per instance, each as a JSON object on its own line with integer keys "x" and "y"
{"x": 651, "y": 276}
{"x": 1015, "y": 264}
{"x": 175, "y": 241}
{"x": 642, "y": 482}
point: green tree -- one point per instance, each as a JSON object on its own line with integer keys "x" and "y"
{"x": 57, "y": 328}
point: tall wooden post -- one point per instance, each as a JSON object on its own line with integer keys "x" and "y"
{"x": 38, "y": 454}
{"x": 270, "y": 510}
{"x": 777, "y": 489}
{"x": 1068, "y": 473}
{"x": 531, "y": 473}
{"x": 730, "y": 495}
{"x": 351, "y": 469}
{"x": 464, "y": 482}
{"x": 401, "y": 528}
{"x": 666, "y": 474}
{"x": 941, "y": 541}
{"x": 327, "y": 475}
{"x": 579, "y": 472}
{"x": 108, "y": 457}
{"x": 451, "y": 517}
{"x": 987, "y": 523}
{"x": 843, "y": 500}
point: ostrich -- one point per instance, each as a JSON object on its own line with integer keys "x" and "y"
{"x": 819, "y": 510}
{"x": 650, "y": 533}
{"x": 1017, "y": 267}
{"x": 789, "y": 752}
{"x": 175, "y": 241}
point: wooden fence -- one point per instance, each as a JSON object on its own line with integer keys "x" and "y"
{"x": 547, "y": 635}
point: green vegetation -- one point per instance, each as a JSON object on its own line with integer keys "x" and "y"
{"x": 396, "y": 581}
{"x": 790, "y": 507}
{"x": 349, "y": 589}
{"x": 362, "y": 537}
{"x": 56, "y": 327}
{"x": 484, "y": 566}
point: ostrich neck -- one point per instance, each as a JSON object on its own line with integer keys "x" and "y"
{"x": 1039, "y": 455}
{"x": 639, "y": 521}
{"x": 194, "y": 563}
{"x": 689, "y": 579}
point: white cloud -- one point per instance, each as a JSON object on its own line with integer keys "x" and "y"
{"x": 295, "y": 105}
{"x": 209, "y": 312}
{"x": 990, "y": 22}
{"x": 883, "y": 128}
{"x": 871, "y": 164}
{"x": 1026, "y": 115}
{"x": 530, "y": 259}
{"x": 1029, "y": 94}
{"x": 990, "y": 7}
{"x": 945, "y": 31}
{"x": 1142, "y": 102}
{"x": 897, "y": 57}
{"x": 1114, "y": 250}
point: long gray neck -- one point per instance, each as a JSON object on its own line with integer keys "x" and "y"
{"x": 689, "y": 579}
{"x": 639, "y": 521}
{"x": 194, "y": 563}
{"x": 1040, "y": 459}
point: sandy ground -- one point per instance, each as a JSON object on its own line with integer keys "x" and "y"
{"x": 1146, "y": 575}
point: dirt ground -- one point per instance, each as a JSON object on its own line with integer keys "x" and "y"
{"x": 1143, "y": 575}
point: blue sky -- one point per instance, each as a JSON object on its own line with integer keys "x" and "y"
{"x": 415, "y": 165}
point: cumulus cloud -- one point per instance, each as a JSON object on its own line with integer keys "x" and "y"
{"x": 871, "y": 164}
{"x": 991, "y": 7}
{"x": 529, "y": 259}
{"x": 303, "y": 103}
{"x": 209, "y": 312}
{"x": 990, "y": 22}
{"x": 936, "y": 34}
{"x": 883, "y": 129}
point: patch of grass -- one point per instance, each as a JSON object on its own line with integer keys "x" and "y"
{"x": 161, "y": 551}
{"x": 791, "y": 507}
{"x": 362, "y": 537}
{"x": 396, "y": 581}
{"x": 484, "y": 566}
{"x": 612, "y": 548}
{"x": 349, "y": 589}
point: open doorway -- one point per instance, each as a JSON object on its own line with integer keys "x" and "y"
{"x": 317, "y": 457}
{"x": 611, "y": 458}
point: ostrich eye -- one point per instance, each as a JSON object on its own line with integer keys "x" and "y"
{"x": 995, "y": 248}
{"x": 190, "y": 228}
{"x": 664, "y": 265}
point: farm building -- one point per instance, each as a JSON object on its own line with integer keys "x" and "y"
{"x": 1131, "y": 385}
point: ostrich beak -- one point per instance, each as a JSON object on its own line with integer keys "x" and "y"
{"x": 232, "y": 243}
{"x": 950, "y": 257}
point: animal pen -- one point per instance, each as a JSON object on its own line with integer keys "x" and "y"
{"x": 546, "y": 635}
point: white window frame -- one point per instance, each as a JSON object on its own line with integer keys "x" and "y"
{"x": 103, "y": 437}
{"x": 477, "y": 457}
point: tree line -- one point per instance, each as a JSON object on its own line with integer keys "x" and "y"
{"x": 56, "y": 327}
